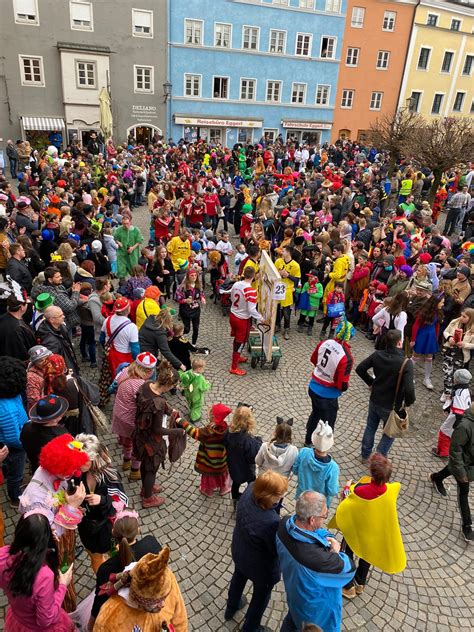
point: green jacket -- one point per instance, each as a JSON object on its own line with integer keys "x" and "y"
{"x": 461, "y": 452}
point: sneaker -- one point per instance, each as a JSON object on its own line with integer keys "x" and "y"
{"x": 14, "y": 504}
{"x": 359, "y": 588}
{"x": 439, "y": 487}
{"x": 134, "y": 475}
{"x": 300, "y": 329}
{"x": 286, "y": 334}
{"x": 428, "y": 383}
{"x": 126, "y": 465}
{"x": 243, "y": 359}
{"x": 443, "y": 397}
{"x": 468, "y": 534}
{"x": 156, "y": 490}
{"x": 230, "y": 612}
{"x": 238, "y": 372}
{"x": 153, "y": 501}
{"x": 349, "y": 593}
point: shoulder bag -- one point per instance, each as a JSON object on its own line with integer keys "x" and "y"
{"x": 397, "y": 422}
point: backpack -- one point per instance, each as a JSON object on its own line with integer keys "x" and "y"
{"x": 176, "y": 442}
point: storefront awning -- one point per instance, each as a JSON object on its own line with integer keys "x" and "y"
{"x": 42, "y": 123}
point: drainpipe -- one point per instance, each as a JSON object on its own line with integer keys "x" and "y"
{"x": 168, "y": 71}
{"x": 407, "y": 49}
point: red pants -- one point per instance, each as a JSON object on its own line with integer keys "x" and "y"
{"x": 444, "y": 443}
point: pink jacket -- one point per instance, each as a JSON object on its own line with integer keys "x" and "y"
{"x": 42, "y": 611}
{"x": 125, "y": 408}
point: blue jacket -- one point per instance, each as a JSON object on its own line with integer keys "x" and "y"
{"x": 12, "y": 419}
{"x": 313, "y": 575}
{"x": 253, "y": 542}
{"x": 315, "y": 475}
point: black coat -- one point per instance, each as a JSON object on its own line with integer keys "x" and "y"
{"x": 58, "y": 341}
{"x": 16, "y": 337}
{"x": 154, "y": 339}
{"x": 253, "y": 542}
{"x": 242, "y": 449}
{"x": 18, "y": 271}
{"x": 35, "y": 436}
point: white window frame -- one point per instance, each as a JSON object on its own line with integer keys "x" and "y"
{"x": 24, "y": 81}
{"x": 435, "y": 15}
{"x": 327, "y": 92}
{"x": 451, "y": 25}
{"x": 134, "y": 33}
{"x": 253, "y": 28}
{"x": 199, "y": 78}
{"x": 463, "y": 92}
{"x": 229, "y": 26}
{"x": 274, "y": 131}
{"x": 228, "y": 87}
{"x": 297, "y": 94}
{"x": 373, "y": 107}
{"x": 193, "y": 22}
{"x": 333, "y": 6}
{"x": 86, "y": 86}
{"x": 328, "y": 37}
{"x": 285, "y": 35}
{"x": 281, "y": 3}
{"x": 19, "y": 20}
{"x": 388, "y": 15}
{"x": 420, "y": 92}
{"x": 427, "y": 68}
{"x": 447, "y": 72}
{"x": 310, "y": 44}
{"x": 386, "y": 57}
{"x": 254, "y": 98}
{"x": 138, "y": 90}
{"x": 280, "y": 90}
{"x": 351, "y": 64}
{"x": 344, "y": 97}
{"x": 306, "y": 4}
{"x": 76, "y": 27}
{"x": 356, "y": 22}
{"x": 468, "y": 74}
{"x": 437, "y": 94}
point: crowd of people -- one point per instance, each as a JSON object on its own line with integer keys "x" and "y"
{"x": 359, "y": 246}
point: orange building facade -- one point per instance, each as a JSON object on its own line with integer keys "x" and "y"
{"x": 376, "y": 40}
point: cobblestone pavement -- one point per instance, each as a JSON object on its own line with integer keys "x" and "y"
{"x": 435, "y": 590}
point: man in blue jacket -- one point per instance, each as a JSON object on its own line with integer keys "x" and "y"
{"x": 314, "y": 570}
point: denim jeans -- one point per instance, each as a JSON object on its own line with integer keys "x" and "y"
{"x": 13, "y": 166}
{"x": 87, "y": 343}
{"x": 375, "y": 415}
{"x": 13, "y": 468}
{"x": 261, "y": 594}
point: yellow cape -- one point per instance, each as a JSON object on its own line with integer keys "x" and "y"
{"x": 371, "y": 529}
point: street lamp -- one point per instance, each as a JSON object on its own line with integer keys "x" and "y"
{"x": 410, "y": 104}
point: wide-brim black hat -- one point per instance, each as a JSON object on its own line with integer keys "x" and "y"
{"x": 48, "y": 408}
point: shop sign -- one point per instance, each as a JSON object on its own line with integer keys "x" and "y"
{"x": 210, "y": 122}
{"x": 144, "y": 113}
{"x": 305, "y": 125}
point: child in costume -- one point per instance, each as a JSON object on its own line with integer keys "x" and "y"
{"x": 334, "y": 310}
{"x": 315, "y": 468}
{"x": 195, "y": 385}
{"x": 60, "y": 460}
{"x": 308, "y": 303}
{"x": 180, "y": 347}
{"x": 458, "y": 402}
{"x": 278, "y": 454}
{"x": 211, "y": 459}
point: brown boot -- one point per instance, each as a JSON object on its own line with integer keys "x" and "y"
{"x": 153, "y": 501}
{"x": 134, "y": 475}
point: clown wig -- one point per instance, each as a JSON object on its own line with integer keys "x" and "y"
{"x": 63, "y": 457}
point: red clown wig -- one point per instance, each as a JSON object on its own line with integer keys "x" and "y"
{"x": 63, "y": 456}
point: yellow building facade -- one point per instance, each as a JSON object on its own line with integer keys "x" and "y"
{"x": 439, "y": 70}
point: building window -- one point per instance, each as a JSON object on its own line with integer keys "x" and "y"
{"x": 423, "y": 58}
{"x": 328, "y": 47}
{"x": 415, "y": 99}
{"x": 389, "y": 19}
{"x": 437, "y": 101}
{"x": 85, "y": 74}
{"x": 347, "y": 98}
{"x": 306, "y": 4}
{"x": 193, "y": 32}
{"x": 144, "y": 79}
{"x": 447, "y": 61}
{"x": 274, "y": 91}
{"x": 472, "y": 107}
{"x": 142, "y": 22}
{"x": 455, "y": 25}
{"x": 277, "y": 41}
{"x": 247, "y": 89}
{"x": 31, "y": 71}
{"x": 357, "y": 20}
{"x": 192, "y": 85}
{"x": 333, "y": 6}
{"x": 303, "y": 44}
{"x": 458, "y": 101}
{"x": 250, "y": 37}
{"x": 432, "y": 20}
{"x": 352, "y": 58}
{"x": 283, "y": 3}
{"x": 215, "y": 135}
{"x": 81, "y": 16}
{"x": 298, "y": 93}
{"x": 26, "y": 12}
{"x": 220, "y": 87}
{"x": 468, "y": 62}
{"x": 222, "y": 35}
{"x": 322, "y": 95}
{"x": 376, "y": 100}
{"x": 383, "y": 57}
{"x": 271, "y": 134}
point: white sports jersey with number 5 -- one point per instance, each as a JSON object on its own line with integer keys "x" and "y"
{"x": 244, "y": 301}
{"x": 330, "y": 353}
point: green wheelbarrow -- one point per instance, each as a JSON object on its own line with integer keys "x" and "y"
{"x": 257, "y": 353}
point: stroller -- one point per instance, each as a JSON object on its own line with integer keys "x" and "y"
{"x": 223, "y": 290}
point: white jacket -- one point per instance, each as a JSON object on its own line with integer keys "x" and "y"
{"x": 276, "y": 458}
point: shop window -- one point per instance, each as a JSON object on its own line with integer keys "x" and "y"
{"x": 215, "y": 135}
{"x": 270, "y": 134}
{"x": 362, "y": 136}
{"x": 244, "y": 135}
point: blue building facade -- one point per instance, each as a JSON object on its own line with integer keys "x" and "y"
{"x": 240, "y": 69}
